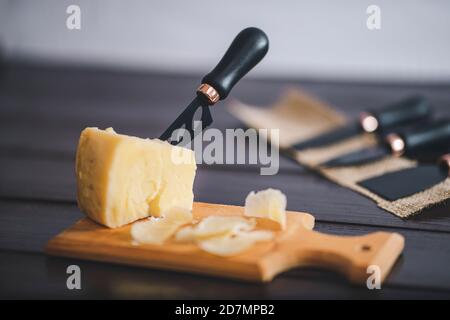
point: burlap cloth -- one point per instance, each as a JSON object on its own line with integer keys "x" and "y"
{"x": 300, "y": 116}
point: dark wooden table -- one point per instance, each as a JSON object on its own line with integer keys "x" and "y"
{"x": 42, "y": 111}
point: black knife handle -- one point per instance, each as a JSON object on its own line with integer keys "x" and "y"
{"x": 432, "y": 137}
{"x": 406, "y": 111}
{"x": 246, "y": 50}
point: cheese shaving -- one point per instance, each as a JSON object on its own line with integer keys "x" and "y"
{"x": 269, "y": 204}
{"x": 258, "y": 235}
{"x": 214, "y": 226}
{"x": 158, "y": 230}
{"x": 185, "y": 234}
{"x": 231, "y": 245}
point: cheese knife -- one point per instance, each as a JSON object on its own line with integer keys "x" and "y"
{"x": 432, "y": 137}
{"x": 246, "y": 51}
{"x": 406, "y": 111}
{"x": 403, "y": 183}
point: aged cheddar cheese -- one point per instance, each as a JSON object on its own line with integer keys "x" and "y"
{"x": 121, "y": 178}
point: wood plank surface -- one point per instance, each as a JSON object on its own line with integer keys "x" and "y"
{"x": 28, "y": 226}
{"x": 29, "y": 178}
{"x": 31, "y": 275}
{"x": 49, "y": 100}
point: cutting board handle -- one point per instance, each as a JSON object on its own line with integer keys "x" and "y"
{"x": 348, "y": 255}
{"x": 352, "y": 255}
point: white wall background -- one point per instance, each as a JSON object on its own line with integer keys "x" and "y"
{"x": 309, "y": 39}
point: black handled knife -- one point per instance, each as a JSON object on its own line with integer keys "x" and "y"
{"x": 245, "y": 52}
{"x": 403, "y": 183}
{"x": 406, "y": 111}
{"x": 429, "y": 138}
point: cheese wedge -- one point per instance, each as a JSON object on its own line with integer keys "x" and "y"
{"x": 269, "y": 204}
{"x": 121, "y": 178}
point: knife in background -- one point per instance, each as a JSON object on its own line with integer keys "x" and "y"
{"x": 403, "y": 183}
{"x": 245, "y": 52}
{"x": 429, "y": 138}
{"x": 406, "y": 111}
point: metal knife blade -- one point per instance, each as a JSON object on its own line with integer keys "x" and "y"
{"x": 186, "y": 121}
{"x": 330, "y": 137}
{"x": 403, "y": 183}
{"x": 359, "y": 157}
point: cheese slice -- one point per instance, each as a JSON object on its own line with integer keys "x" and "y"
{"x": 257, "y": 235}
{"x": 231, "y": 245}
{"x": 269, "y": 204}
{"x": 185, "y": 235}
{"x": 158, "y": 230}
{"x": 121, "y": 179}
{"x": 226, "y": 246}
{"x": 223, "y": 235}
{"x": 214, "y": 226}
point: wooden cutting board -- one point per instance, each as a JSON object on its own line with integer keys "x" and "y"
{"x": 296, "y": 246}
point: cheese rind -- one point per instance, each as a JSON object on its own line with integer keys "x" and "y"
{"x": 121, "y": 179}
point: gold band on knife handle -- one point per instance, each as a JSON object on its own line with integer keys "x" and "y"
{"x": 445, "y": 161}
{"x": 209, "y": 93}
{"x": 368, "y": 122}
{"x": 396, "y": 143}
